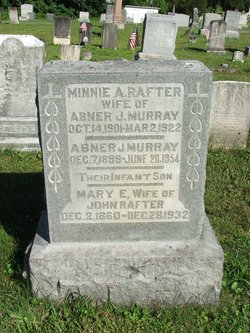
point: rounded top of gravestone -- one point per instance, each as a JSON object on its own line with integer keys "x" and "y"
{"x": 26, "y": 40}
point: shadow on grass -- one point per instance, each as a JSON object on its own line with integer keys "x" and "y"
{"x": 22, "y": 200}
{"x": 196, "y": 49}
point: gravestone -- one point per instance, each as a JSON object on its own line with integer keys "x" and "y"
{"x": 230, "y": 116}
{"x": 62, "y": 30}
{"x": 26, "y": 10}
{"x": 50, "y": 17}
{"x": 13, "y": 16}
{"x": 109, "y": 35}
{"x": 21, "y": 56}
{"x": 182, "y": 20}
{"x": 159, "y": 34}
{"x": 103, "y": 17}
{"x": 207, "y": 18}
{"x": 118, "y": 14}
{"x": 243, "y": 21}
{"x": 232, "y": 20}
{"x": 85, "y": 33}
{"x": 217, "y": 36}
{"x": 109, "y": 11}
{"x": 124, "y": 149}
{"x": 70, "y": 52}
{"x": 195, "y": 18}
{"x": 84, "y": 17}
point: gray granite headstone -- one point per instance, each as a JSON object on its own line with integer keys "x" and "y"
{"x": 230, "y": 116}
{"x": 84, "y": 17}
{"x": 13, "y": 15}
{"x": 159, "y": 34}
{"x": 109, "y": 36}
{"x": 195, "y": 19}
{"x": 109, "y": 11}
{"x": 124, "y": 153}
{"x": 232, "y": 20}
{"x": 50, "y": 17}
{"x": 26, "y": 9}
{"x": 21, "y": 56}
{"x": 207, "y": 18}
{"x": 182, "y": 20}
{"x": 243, "y": 21}
{"x": 217, "y": 36}
{"x": 103, "y": 17}
{"x": 62, "y": 30}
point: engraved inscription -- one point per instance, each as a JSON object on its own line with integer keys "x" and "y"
{"x": 124, "y": 147}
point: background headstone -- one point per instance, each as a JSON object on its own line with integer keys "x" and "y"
{"x": 217, "y": 36}
{"x": 109, "y": 36}
{"x": 103, "y": 17}
{"x": 207, "y": 18}
{"x": 195, "y": 18}
{"x": 136, "y": 14}
{"x": 109, "y": 11}
{"x": 21, "y": 56}
{"x": 70, "y": 52}
{"x": 159, "y": 34}
{"x": 182, "y": 20}
{"x": 84, "y": 17}
{"x": 238, "y": 56}
{"x": 118, "y": 14}
{"x": 62, "y": 30}
{"x": 243, "y": 21}
{"x": 50, "y": 17}
{"x": 13, "y": 15}
{"x": 232, "y": 20}
{"x": 26, "y": 9}
{"x": 230, "y": 116}
{"x": 125, "y": 207}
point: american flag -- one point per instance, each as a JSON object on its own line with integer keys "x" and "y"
{"x": 207, "y": 32}
{"x": 134, "y": 39}
{"x": 83, "y": 26}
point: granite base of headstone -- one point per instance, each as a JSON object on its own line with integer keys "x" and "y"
{"x": 62, "y": 30}
{"x": 109, "y": 36}
{"x": 158, "y": 40}
{"x": 230, "y": 118}
{"x": 124, "y": 154}
{"x": 13, "y": 15}
{"x": 70, "y": 52}
{"x": 217, "y": 34}
{"x": 21, "y": 56}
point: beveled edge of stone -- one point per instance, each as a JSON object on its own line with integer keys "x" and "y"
{"x": 123, "y": 66}
{"x": 26, "y": 40}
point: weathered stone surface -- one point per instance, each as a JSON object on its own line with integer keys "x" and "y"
{"x": 136, "y": 14}
{"x": 232, "y": 19}
{"x": 159, "y": 34}
{"x": 217, "y": 36}
{"x": 230, "y": 115}
{"x": 21, "y": 56}
{"x": 152, "y": 131}
{"x": 62, "y": 30}
{"x": 146, "y": 273}
{"x": 26, "y": 10}
{"x": 70, "y": 52}
{"x": 109, "y": 36}
{"x": 13, "y": 15}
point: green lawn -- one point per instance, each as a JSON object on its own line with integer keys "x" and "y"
{"x": 237, "y": 71}
{"x": 227, "y": 201}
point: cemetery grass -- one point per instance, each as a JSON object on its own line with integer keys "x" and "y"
{"x": 236, "y": 71}
{"x": 227, "y": 204}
